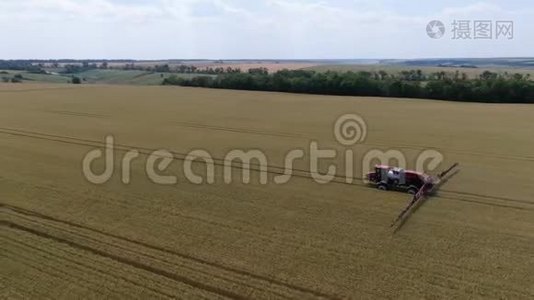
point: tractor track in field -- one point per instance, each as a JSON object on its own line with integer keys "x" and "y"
{"x": 455, "y": 151}
{"x": 274, "y": 170}
{"x": 131, "y": 263}
{"x": 50, "y": 270}
{"x": 282, "y": 236}
{"x": 239, "y": 130}
{"x": 123, "y": 260}
{"x": 263, "y": 283}
{"x": 88, "y": 142}
{"x": 505, "y": 199}
{"x": 125, "y": 250}
{"x": 75, "y": 114}
{"x": 244, "y": 229}
{"x": 270, "y": 169}
{"x": 62, "y": 236}
{"x": 374, "y": 144}
{"x": 445, "y": 279}
{"x": 71, "y": 261}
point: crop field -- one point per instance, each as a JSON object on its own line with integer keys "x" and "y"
{"x": 272, "y": 67}
{"x": 35, "y": 78}
{"x": 134, "y": 77}
{"x": 64, "y": 237}
{"x": 244, "y": 65}
{"x": 98, "y": 76}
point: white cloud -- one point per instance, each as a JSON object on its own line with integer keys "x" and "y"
{"x": 246, "y": 29}
{"x": 58, "y": 10}
{"x": 479, "y": 10}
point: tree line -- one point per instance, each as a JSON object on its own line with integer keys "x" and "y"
{"x": 182, "y": 69}
{"x": 74, "y": 66}
{"x": 487, "y": 87}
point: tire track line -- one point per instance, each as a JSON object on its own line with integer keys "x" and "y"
{"x": 158, "y": 259}
{"x": 280, "y": 296}
{"x": 332, "y": 251}
{"x": 456, "y": 280}
{"x": 126, "y": 261}
{"x": 80, "y": 265}
{"x": 75, "y": 114}
{"x": 238, "y": 130}
{"x": 271, "y": 169}
{"x": 173, "y": 252}
{"x": 507, "y": 199}
{"x": 487, "y": 203}
{"x": 44, "y": 225}
{"x": 462, "y": 152}
{"x": 375, "y": 144}
{"x": 58, "y": 273}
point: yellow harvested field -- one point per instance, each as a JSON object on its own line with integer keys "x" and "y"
{"x": 62, "y": 237}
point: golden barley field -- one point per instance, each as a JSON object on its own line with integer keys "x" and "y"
{"x": 63, "y": 237}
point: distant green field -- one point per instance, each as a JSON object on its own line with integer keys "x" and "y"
{"x": 51, "y": 78}
{"x": 137, "y": 77}
{"x": 122, "y": 77}
{"x": 38, "y": 78}
{"x": 133, "y": 77}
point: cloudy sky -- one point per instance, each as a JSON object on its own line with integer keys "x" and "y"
{"x": 281, "y": 29}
